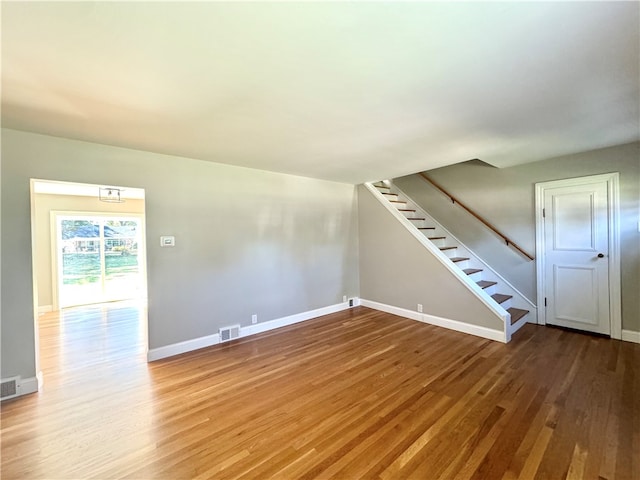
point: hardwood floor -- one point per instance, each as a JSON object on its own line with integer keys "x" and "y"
{"x": 357, "y": 394}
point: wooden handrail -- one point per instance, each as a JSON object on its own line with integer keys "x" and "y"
{"x": 453, "y": 199}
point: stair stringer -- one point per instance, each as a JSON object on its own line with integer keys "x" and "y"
{"x": 495, "y": 307}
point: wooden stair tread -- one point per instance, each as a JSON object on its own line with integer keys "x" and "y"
{"x": 447, "y": 248}
{"x": 486, "y": 283}
{"x": 437, "y": 238}
{"x": 391, "y": 194}
{"x": 406, "y": 210}
{"x": 458, "y": 259}
{"x": 471, "y": 271}
{"x": 416, "y": 218}
{"x": 516, "y": 314}
{"x": 426, "y": 228}
{"x": 397, "y": 201}
{"x": 500, "y": 297}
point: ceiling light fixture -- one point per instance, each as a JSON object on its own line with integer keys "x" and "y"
{"x": 111, "y": 195}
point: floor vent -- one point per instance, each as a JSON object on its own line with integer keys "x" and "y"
{"x": 9, "y": 388}
{"x": 229, "y": 333}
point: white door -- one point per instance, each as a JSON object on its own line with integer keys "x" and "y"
{"x": 576, "y": 255}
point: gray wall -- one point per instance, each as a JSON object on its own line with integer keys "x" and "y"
{"x": 247, "y": 241}
{"x": 505, "y": 197}
{"x": 395, "y": 269}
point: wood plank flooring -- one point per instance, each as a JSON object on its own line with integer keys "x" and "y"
{"x": 356, "y": 394}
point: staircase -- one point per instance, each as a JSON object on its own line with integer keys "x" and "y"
{"x": 496, "y": 291}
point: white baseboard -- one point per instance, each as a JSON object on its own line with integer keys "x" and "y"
{"x": 478, "y": 331}
{"x": 31, "y": 384}
{"x": 291, "y": 319}
{"x": 45, "y": 309}
{"x": 209, "y": 340}
{"x": 484, "y": 332}
{"x": 383, "y": 307}
{"x": 182, "y": 347}
{"x": 631, "y": 336}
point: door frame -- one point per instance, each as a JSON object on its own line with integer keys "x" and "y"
{"x": 613, "y": 217}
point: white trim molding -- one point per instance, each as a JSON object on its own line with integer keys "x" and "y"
{"x": 31, "y": 384}
{"x": 478, "y": 331}
{"x": 291, "y": 319}
{"x": 630, "y": 336}
{"x": 401, "y": 312}
{"x": 210, "y": 340}
{"x": 182, "y": 347}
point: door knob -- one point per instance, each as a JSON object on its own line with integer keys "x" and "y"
{"x": 601, "y": 255}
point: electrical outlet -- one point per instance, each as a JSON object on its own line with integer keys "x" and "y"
{"x": 419, "y": 308}
{"x": 344, "y": 298}
{"x": 254, "y": 318}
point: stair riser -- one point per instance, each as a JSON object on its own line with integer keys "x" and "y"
{"x": 418, "y": 224}
{"x": 452, "y": 253}
{"x": 489, "y": 290}
{"x": 476, "y": 277}
{"x": 438, "y": 242}
{"x": 462, "y": 264}
{"x": 506, "y": 304}
{"x": 427, "y": 233}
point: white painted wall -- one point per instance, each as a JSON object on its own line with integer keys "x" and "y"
{"x": 247, "y": 241}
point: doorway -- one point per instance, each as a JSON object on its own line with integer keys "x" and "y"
{"x": 578, "y": 263}
{"x": 105, "y": 250}
{"x": 53, "y": 199}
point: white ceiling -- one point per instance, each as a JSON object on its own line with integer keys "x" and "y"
{"x": 350, "y": 92}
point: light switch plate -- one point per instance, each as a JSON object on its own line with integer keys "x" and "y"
{"x": 168, "y": 241}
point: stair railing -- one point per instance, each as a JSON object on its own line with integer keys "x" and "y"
{"x": 454, "y": 200}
